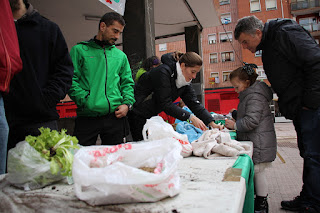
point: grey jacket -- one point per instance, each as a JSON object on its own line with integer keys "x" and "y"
{"x": 255, "y": 123}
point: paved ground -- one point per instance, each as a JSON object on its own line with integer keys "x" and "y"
{"x": 285, "y": 178}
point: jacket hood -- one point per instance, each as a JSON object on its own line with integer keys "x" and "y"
{"x": 169, "y": 60}
{"x": 31, "y": 16}
{"x": 260, "y": 88}
{"x": 270, "y": 28}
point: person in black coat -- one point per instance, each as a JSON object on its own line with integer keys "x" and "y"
{"x": 157, "y": 89}
{"x": 291, "y": 60}
{"x": 45, "y": 78}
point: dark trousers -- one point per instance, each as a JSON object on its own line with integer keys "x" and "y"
{"x": 136, "y": 125}
{"x": 308, "y": 133}
{"x": 18, "y": 133}
{"x": 112, "y": 130}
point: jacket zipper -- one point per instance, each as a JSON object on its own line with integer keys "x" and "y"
{"x": 105, "y": 56}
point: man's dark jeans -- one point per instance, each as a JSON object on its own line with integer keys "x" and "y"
{"x": 308, "y": 133}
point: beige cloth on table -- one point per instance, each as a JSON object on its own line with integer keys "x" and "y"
{"x": 215, "y": 143}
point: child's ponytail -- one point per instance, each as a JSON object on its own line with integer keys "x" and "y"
{"x": 247, "y": 72}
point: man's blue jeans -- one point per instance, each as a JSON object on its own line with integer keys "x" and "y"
{"x": 4, "y": 131}
{"x": 308, "y": 133}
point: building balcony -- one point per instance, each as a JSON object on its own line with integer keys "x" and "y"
{"x": 312, "y": 27}
{"x": 305, "y": 7}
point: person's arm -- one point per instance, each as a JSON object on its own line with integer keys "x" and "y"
{"x": 126, "y": 82}
{"x": 190, "y": 99}
{"x": 10, "y": 61}
{"x": 126, "y": 88}
{"x": 61, "y": 69}
{"x": 161, "y": 81}
{"x": 76, "y": 92}
{"x": 253, "y": 112}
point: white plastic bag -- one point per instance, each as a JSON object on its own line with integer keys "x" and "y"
{"x": 27, "y": 169}
{"x": 156, "y": 128}
{"x": 112, "y": 174}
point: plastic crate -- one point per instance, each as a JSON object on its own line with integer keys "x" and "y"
{"x": 67, "y": 109}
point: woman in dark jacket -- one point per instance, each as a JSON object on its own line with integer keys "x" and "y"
{"x": 160, "y": 87}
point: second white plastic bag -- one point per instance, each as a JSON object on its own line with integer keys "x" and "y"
{"x": 156, "y": 128}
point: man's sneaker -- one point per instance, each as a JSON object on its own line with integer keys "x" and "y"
{"x": 292, "y": 205}
{"x": 308, "y": 209}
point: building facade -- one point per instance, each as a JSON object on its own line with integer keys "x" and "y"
{"x": 306, "y": 13}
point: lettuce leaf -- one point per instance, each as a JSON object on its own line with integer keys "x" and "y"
{"x": 57, "y": 147}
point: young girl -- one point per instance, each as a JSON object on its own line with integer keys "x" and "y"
{"x": 254, "y": 122}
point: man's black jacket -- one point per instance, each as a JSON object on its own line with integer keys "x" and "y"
{"x": 291, "y": 60}
{"x": 46, "y": 75}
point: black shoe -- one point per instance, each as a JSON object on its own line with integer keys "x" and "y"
{"x": 292, "y": 205}
{"x": 308, "y": 209}
{"x": 261, "y": 205}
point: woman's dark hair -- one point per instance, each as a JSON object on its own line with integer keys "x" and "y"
{"x": 243, "y": 75}
{"x": 191, "y": 59}
{"x": 150, "y": 62}
{"x": 109, "y": 18}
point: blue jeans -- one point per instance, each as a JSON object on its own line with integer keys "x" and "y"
{"x": 308, "y": 133}
{"x": 4, "y": 131}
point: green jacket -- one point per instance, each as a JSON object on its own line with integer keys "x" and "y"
{"x": 102, "y": 79}
{"x": 139, "y": 73}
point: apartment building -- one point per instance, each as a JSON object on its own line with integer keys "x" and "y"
{"x": 306, "y": 13}
{"x": 221, "y": 53}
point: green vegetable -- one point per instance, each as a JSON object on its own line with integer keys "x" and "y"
{"x": 56, "y": 147}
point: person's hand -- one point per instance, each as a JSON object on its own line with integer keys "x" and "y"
{"x": 215, "y": 126}
{"x": 231, "y": 110}
{"x": 229, "y": 124}
{"x": 121, "y": 111}
{"x": 198, "y": 123}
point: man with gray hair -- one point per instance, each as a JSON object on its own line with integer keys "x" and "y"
{"x": 291, "y": 60}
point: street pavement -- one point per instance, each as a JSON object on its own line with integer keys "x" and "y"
{"x": 285, "y": 175}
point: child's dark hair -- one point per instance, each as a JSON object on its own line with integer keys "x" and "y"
{"x": 243, "y": 75}
{"x": 150, "y": 62}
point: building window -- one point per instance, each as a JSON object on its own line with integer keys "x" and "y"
{"x": 213, "y": 58}
{"x": 226, "y": 18}
{"x": 214, "y": 78}
{"x": 163, "y": 47}
{"x": 309, "y": 24}
{"x": 271, "y": 4}
{"x": 212, "y": 38}
{"x": 258, "y": 53}
{"x": 224, "y": 37}
{"x": 255, "y": 5}
{"x": 222, "y": 2}
{"x": 261, "y": 73}
{"x": 227, "y": 56}
{"x": 225, "y": 76}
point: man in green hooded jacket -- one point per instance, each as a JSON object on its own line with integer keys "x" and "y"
{"x": 102, "y": 85}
